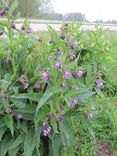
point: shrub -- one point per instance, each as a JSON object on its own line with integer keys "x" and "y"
{"x": 49, "y": 89}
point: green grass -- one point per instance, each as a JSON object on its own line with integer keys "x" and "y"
{"x": 112, "y": 55}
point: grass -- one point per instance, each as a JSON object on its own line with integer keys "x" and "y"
{"x": 112, "y": 55}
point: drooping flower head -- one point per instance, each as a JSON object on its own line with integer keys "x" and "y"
{"x": 46, "y": 76}
{"x": 99, "y": 82}
{"x": 78, "y": 74}
{"x": 46, "y": 129}
{"x": 73, "y": 46}
{"x": 72, "y": 56}
{"x": 58, "y": 65}
{"x": 90, "y": 115}
{"x": 1, "y": 32}
{"x": 59, "y": 118}
{"x": 37, "y": 85}
{"x": 67, "y": 74}
{"x": 73, "y": 103}
{"x": 13, "y": 26}
{"x": 24, "y": 81}
{"x": 8, "y": 59}
{"x": 62, "y": 36}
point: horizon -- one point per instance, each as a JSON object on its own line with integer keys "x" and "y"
{"x": 93, "y": 10}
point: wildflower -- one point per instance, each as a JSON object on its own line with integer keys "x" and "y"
{"x": 8, "y": 110}
{"x": 90, "y": 115}
{"x": 59, "y": 118}
{"x": 73, "y": 46}
{"x": 29, "y": 30}
{"x": 24, "y": 81}
{"x": 99, "y": 82}
{"x": 46, "y": 129}
{"x": 78, "y": 74}
{"x": 67, "y": 75}
{"x": 58, "y": 65}
{"x": 72, "y": 55}
{"x": 1, "y": 32}
{"x": 52, "y": 57}
{"x": 13, "y": 26}
{"x": 22, "y": 28}
{"x": 73, "y": 103}
{"x": 9, "y": 59}
{"x": 46, "y": 76}
{"x": 37, "y": 85}
{"x": 19, "y": 116}
{"x": 62, "y": 36}
{"x": 50, "y": 116}
{"x": 2, "y": 13}
{"x": 51, "y": 41}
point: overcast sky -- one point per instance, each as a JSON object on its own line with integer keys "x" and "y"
{"x": 93, "y": 9}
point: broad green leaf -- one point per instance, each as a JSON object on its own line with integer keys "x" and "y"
{"x": 2, "y": 123}
{"x": 13, "y": 152}
{"x": 13, "y": 7}
{"x": 55, "y": 144}
{"x": 30, "y": 96}
{"x": 29, "y": 144}
{"x": 49, "y": 92}
{"x": 5, "y": 144}
{"x": 28, "y": 109}
{"x": 18, "y": 141}
{"x": 2, "y": 131}
{"x": 9, "y": 123}
{"x": 66, "y": 133}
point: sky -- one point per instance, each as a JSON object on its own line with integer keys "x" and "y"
{"x": 93, "y": 9}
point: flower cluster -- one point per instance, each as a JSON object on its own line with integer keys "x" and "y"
{"x": 46, "y": 129}
{"x": 24, "y": 81}
{"x": 99, "y": 82}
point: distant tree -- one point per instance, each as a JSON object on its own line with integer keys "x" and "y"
{"x": 53, "y": 16}
{"x": 75, "y": 16}
{"x": 32, "y": 8}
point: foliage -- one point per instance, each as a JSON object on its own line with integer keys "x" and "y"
{"x": 52, "y": 92}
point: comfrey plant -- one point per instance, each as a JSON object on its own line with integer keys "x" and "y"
{"x": 46, "y": 86}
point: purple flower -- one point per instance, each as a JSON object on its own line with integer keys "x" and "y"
{"x": 78, "y": 74}
{"x": 67, "y": 75}
{"x": 72, "y": 56}
{"x": 46, "y": 129}
{"x": 62, "y": 36}
{"x": 24, "y": 81}
{"x": 46, "y": 76}
{"x": 73, "y": 103}
{"x": 2, "y": 13}
{"x": 51, "y": 41}
{"x": 90, "y": 115}
{"x": 13, "y": 26}
{"x": 29, "y": 30}
{"x": 9, "y": 59}
{"x": 73, "y": 46}
{"x": 22, "y": 28}
{"x": 1, "y": 32}
{"x": 99, "y": 82}
{"x": 8, "y": 110}
{"x": 19, "y": 116}
{"x": 37, "y": 85}
{"x": 59, "y": 118}
{"x": 52, "y": 57}
{"x": 58, "y": 65}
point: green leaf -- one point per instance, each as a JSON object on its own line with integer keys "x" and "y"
{"x": 30, "y": 96}
{"x": 13, "y": 7}
{"x": 5, "y": 144}
{"x": 2, "y": 131}
{"x": 9, "y": 123}
{"x": 13, "y": 152}
{"x": 28, "y": 109}
{"x": 2, "y": 123}
{"x": 66, "y": 133}
{"x": 55, "y": 144}
{"x": 18, "y": 141}
{"x": 28, "y": 144}
{"x": 50, "y": 92}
